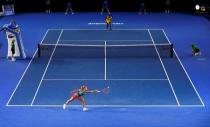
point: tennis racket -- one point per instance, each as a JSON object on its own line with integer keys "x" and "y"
{"x": 105, "y": 90}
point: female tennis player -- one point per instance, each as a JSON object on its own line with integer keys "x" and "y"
{"x": 78, "y": 94}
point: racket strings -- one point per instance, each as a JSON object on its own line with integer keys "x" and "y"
{"x": 106, "y": 90}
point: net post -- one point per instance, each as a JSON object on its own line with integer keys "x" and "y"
{"x": 171, "y": 51}
{"x": 39, "y": 51}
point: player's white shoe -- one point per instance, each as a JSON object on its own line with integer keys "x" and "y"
{"x": 84, "y": 109}
{"x": 64, "y": 106}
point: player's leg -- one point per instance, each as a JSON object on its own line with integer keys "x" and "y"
{"x": 67, "y": 9}
{"x": 107, "y": 9}
{"x": 145, "y": 11}
{"x": 102, "y": 10}
{"x": 49, "y": 8}
{"x": 72, "y": 12}
{"x": 167, "y": 9}
{"x": 83, "y": 103}
{"x": 66, "y": 12}
{"x": 110, "y": 26}
{"x": 69, "y": 100}
{"x": 107, "y": 26}
{"x": 140, "y": 11}
{"x": 13, "y": 54}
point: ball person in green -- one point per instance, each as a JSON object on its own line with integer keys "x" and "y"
{"x": 195, "y": 50}
{"x": 13, "y": 50}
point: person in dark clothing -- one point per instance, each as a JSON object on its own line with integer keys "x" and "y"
{"x": 48, "y": 4}
{"x": 195, "y": 50}
{"x": 142, "y": 8}
{"x": 105, "y": 6}
{"x": 69, "y": 7}
{"x": 13, "y": 50}
{"x": 167, "y": 6}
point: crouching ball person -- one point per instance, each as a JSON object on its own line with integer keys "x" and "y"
{"x": 195, "y": 50}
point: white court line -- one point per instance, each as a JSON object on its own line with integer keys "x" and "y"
{"x": 103, "y": 79}
{"x": 185, "y": 71}
{"x": 105, "y": 61}
{"x": 110, "y": 106}
{"x": 46, "y": 68}
{"x": 26, "y": 69}
{"x": 103, "y": 23}
{"x": 164, "y": 69}
{"x": 104, "y": 40}
{"x": 166, "y": 36}
{"x": 105, "y": 29}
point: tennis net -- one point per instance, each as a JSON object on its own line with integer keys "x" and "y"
{"x": 131, "y": 50}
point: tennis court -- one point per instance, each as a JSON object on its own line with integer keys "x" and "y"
{"x": 140, "y": 66}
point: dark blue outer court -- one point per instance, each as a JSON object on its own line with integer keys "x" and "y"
{"x": 182, "y": 30}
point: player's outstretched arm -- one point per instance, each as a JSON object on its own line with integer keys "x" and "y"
{"x": 93, "y": 91}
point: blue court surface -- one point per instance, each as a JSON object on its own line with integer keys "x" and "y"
{"x": 145, "y": 60}
{"x": 129, "y": 61}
